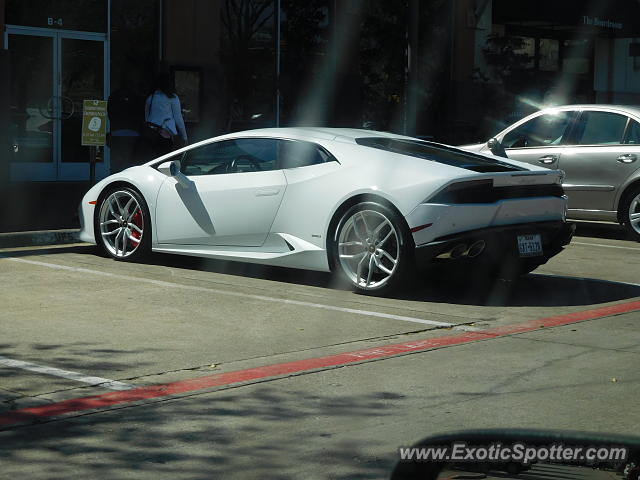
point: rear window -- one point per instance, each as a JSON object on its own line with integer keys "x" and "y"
{"x": 437, "y": 153}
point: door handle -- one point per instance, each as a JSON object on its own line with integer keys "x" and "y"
{"x": 267, "y": 192}
{"x": 627, "y": 158}
{"x": 547, "y": 159}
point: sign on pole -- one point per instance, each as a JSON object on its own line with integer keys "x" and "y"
{"x": 94, "y": 122}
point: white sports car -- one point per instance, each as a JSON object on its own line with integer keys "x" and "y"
{"x": 367, "y": 204}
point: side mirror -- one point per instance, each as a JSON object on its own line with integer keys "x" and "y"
{"x": 172, "y": 169}
{"x": 496, "y": 148}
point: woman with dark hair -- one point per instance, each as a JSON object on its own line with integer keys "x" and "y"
{"x": 163, "y": 115}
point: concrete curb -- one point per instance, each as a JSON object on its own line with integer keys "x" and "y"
{"x": 39, "y": 238}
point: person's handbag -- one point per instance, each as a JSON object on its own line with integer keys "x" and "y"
{"x": 154, "y": 133}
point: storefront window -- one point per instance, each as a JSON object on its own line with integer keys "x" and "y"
{"x": 306, "y": 64}
{"x": 549, "y": 55}
{"x": 383, "y": 64}
{"x": 134, "y": 45}
{"x": 248, "y": 61}
{"x": 577, "y": 55}
{"x": 528, "y": 51}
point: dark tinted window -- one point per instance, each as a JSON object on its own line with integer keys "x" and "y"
{"x": 600, "y": 128}
{"x": 633, "y": 133}
{"x": 294, "y": 154}
{"x": 547, "y": 129}
{"x": 231, "y": 156}
{"x": 437, "y": 153}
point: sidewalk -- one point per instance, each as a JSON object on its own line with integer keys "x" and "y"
{"x": 36, "y": 206}
{"x": 39, "y": 238}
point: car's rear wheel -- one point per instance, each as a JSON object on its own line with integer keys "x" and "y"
{"x": 122, "y": 224}
{"x": 372, "y": 248}
{"x": 631, "y": 213}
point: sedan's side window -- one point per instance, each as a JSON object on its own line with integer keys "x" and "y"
{"x": 231, "y": 156}
{"x": 294, "y": 154}
{"x": 600, "y": 128}
{"x": 633, "y": 133}
{"x": 541, "y": 131}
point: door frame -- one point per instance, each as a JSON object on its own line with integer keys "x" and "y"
{"x": 59, "y": 170}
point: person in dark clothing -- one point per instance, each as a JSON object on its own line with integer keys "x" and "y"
{"x": 126, "y": 114}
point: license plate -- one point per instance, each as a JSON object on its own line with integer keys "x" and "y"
{"x": 530, "y": 245}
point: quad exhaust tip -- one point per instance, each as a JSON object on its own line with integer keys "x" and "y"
{"x": 458, "y": 251}
{"x": 463, "y": 250}
{"x": 476, "y": 249}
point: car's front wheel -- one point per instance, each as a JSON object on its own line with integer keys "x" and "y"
{"x": 372, "y": 248}
{"x": 631, "y": 213}
{"x": 122, "y": 224}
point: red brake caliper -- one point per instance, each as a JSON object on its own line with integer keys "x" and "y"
{"x": 137, "y": 221}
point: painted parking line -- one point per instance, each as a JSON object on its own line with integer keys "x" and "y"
{"x": 604, "y": 245}
{"x": 78, "y": 405}
{"x": 57, "y": 372}
{"x": 263, "y": 298}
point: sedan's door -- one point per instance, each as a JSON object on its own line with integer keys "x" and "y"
{"x": 601, "y": 158}
{"x": 540, "y": 140}
{"x": 234, "y": 197}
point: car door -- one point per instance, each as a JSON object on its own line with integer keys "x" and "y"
{"x": 604, "y": 152}
{"x": 234, "y": 197}
{"x": 309, "y": 169}
{"x": 539, "y": 140}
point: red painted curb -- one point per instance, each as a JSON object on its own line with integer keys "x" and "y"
{"x": 35, "y": 414}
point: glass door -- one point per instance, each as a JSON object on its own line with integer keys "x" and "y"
{"x": 32, "y": 128}
{"x": 52, "y": 72}
{"x": 82, "y": 77}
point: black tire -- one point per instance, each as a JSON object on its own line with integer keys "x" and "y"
{"x": 130, "y": 244}
{"x": 398, "y": 246}
{"x": 630, "y": 205}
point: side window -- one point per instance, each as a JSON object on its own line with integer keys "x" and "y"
{"x": 547, "y": 129}
{"x": 294, "y": 154}
{"x": 600, "y": 128}
{"x": 633, "y": 133}
{"x": 231, "y": 156}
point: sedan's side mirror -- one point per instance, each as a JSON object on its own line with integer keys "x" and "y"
{"x": 172, "y": 169}
{"x": 496, "y": 147}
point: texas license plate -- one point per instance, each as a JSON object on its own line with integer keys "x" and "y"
{"x": 530, "y": 245}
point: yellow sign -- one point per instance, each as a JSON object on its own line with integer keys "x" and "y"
{"x": 94, "y": 122}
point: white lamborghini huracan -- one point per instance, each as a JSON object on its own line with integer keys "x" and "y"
{"x": 369, "y": 205}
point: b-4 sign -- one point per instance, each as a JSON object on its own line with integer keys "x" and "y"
{"x": 94, "y": 122}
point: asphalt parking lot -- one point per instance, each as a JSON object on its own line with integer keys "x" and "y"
{"x": 185, "y": 368}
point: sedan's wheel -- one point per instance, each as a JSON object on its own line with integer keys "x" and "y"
{"x": 122, "y": 225}
{"x": 631, "y": 213}
{"x": 371, "y": 248}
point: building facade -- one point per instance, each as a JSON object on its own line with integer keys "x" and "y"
{"x": 450, "y": 70}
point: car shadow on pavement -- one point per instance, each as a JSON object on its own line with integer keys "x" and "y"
{"x": 533, "y": 290}
{"x": 610, "y": 231}
{"x": 436, "y": 286}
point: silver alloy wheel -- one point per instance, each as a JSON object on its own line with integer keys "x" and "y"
{"x": 368, "y": 249}
{"x": 634, "y": 214}
{"x": 121, "y": 223}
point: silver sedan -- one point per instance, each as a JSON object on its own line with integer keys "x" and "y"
{"x": 597, "y": 146}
